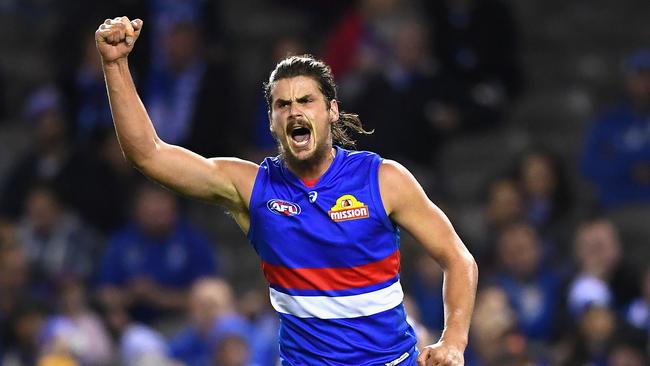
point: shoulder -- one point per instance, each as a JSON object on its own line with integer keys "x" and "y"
{"x": 397, "y": 185}
{"x": 392, "y": 173}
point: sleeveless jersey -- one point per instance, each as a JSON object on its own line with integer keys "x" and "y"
{"x": 331, "y": 257}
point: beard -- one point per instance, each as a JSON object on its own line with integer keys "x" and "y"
{"x": 321, "y": 152}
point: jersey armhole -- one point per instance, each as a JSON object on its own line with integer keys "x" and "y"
{"x": 263, "y": 169}
{"x": 375, "y": 193}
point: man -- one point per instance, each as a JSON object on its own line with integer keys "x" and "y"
{"x": 324, "y": 220}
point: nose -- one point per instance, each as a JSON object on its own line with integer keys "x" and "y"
{"x": 295, "y": 110}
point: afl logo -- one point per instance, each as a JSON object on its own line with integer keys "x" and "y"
{"x": 281, "y": 207}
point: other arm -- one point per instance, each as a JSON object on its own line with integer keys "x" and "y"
{"x": 226, "y": 181}
{"x": 408, "y": 206}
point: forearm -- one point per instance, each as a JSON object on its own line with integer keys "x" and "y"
{"x": 135, "y": 131}
{"x": 459, "y": 291}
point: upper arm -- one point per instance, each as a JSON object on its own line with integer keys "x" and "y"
{"x": 409, "y": 207}
{"x": 226, "y": 181}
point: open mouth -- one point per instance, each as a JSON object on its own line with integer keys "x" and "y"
{"x": 300, "y": 135}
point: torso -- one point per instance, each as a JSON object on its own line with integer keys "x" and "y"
{"x": 331, "y": 256}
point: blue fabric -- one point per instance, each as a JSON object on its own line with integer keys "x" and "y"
{"x": 191, "y": 347}
{"x": 174, "y": 261}
{"x": 616, "y": 142}
{"x": 307, "y": 237}
{"x": 534, "y": 302}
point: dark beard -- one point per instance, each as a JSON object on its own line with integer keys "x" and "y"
{"x": 298, "y": 165}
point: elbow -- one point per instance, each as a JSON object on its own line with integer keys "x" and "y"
{"x": 142, "y": 158}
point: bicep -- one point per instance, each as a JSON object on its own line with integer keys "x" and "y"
{"x": 409, "y": 207}
{"x": 226, "y": 181}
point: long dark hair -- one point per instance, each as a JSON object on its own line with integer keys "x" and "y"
{"x": 308, "y": 65}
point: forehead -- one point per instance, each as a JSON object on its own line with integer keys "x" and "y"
{"x": 295, "y": 87}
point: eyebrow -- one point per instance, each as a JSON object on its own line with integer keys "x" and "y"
{"x": 304, "y": 98}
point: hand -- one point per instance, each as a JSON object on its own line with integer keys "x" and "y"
{"x": 115, "y": 38}
{"x": 441, "y": 354}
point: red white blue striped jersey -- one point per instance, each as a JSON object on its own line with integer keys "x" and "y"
{"x": 331, "y": 257}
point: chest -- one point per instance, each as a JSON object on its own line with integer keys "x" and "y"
{"x": 340, "y": 224}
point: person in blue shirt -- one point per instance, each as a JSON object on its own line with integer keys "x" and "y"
{"x": 616, "y": 155}
{"x": 324, "y": 220}
{"x": 150, "y": 264}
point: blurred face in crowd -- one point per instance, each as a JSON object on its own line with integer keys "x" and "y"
{"x": 50, "y": 128}
{"x": 598, "y": 249}
{"x": 539, "y": 178}
{"x": 638, "y": 87}
{"x": 72, "y": 298}
{"x": 597, "y": 325}
{"x": 155, "y": 211}
{"x": 182, "y": 45}
{"x": 43, "y": 210}
{"x": 504, "y": 202}
{"x": 623, "y": 355}
{"x": 519, "y": 251}
{"x": 14, "y": 270}
{"x": 209, "y": 299}
{"x": 492, "y": 319}
{"x": 300, "y": 120}
{"x": 232, "y": 351}
{"x": 410, "y": 45}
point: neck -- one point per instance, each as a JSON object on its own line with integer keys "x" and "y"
{"x": 312, "y": 168}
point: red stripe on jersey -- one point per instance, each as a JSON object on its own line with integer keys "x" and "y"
{"x": 333, "y": 278}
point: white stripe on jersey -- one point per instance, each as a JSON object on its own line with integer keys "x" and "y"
{"x": 335, "y": 307}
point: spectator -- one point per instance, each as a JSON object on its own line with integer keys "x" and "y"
{"x": 601, "y": 275}
{"x": 49, "y": 157}
{"x": 185, "y": 104}
{"x": 476, "y": 42}
{"x": 150, "y": 264}
{"x": 533, "y": 289}
{"x": 595, "y": 333}
{"x": 56, "y": 241}
{"x": 103, "y": 185}
{"x": 264, "y": 324}
{"x": 616, "y": 154}
{"x": 546, "y": 193}
{"x": 210, "y": 300}
{"x": 504, "y": 206}
{"x": 419, "y": 106}
{"x": 494, "y": 340}
{"x": 81, "y": 332}
{"x": 141, "y": 345}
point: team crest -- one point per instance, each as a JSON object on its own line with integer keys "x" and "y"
{"x": 348, "y": 208}
{"x": 282, "y": 207}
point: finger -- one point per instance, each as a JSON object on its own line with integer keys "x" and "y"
{"x": 107, "y": 21}
{"x": 137, "y": 24}
{"x": 422, "y": 358}
{"x": 128, "y": 30}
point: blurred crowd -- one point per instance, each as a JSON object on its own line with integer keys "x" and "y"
{"x": 99, "y": 266}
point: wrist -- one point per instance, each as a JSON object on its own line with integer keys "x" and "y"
{"x": 459, "y": 342}
{"x": 115, "y": 64}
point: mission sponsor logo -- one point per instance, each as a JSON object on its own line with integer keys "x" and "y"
{"x": 348, "y": 208}
{"x": 282, "y": 207}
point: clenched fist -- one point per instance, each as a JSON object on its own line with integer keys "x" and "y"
{"x": 441, "y": 354}
{"x": 115, "y": 38}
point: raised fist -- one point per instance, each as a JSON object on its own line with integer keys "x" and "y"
{"x": 115, "y": 37}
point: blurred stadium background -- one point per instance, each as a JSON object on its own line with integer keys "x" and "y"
{"x": 527, "y": 121}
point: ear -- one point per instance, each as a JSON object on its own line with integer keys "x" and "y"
{"x": 334, "y": 111}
